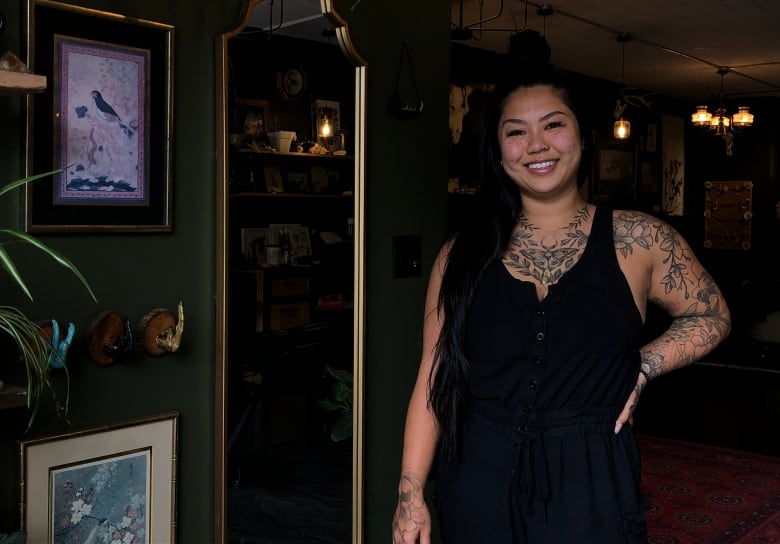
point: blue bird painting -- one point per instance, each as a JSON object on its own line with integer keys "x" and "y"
{"x": 106, "y": 112}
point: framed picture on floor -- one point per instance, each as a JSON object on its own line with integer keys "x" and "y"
{"x": 103, "y": 126}
{"x": 113, "y": 483}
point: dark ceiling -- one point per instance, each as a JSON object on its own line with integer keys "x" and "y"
{"x": 677, "y": 46}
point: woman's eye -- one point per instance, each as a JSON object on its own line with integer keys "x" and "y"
{"x": 554, "y": 124}
{"x": 515, "y": 132}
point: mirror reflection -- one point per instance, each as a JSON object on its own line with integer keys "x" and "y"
{"x": 291, "y": 159}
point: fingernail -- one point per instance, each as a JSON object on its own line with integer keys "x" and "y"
{"x": 618, "y": 426}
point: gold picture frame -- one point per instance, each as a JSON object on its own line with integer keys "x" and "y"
{"x": 104, "y": 125}
{"x": 103, "y": 481}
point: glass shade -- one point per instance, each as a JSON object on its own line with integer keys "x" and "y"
{"x": 325, "y": 128}
{"x": 719, "y": 120}
{"x": 743, "y": 118}
{"x": 702, "y": 117}
{"x": 622, "y": 129}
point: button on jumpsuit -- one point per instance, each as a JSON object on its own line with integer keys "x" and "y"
{"x": 539, "y": 462}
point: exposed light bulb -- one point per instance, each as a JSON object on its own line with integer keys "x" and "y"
{"x": 325, "y": 127}
{"x": 622, "y": 129}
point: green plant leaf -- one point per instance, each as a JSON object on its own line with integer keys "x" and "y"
{"x": 34, "y": 345}
{"x": 57, "y": 256}
{"x": 342, "y": 428}
{"x": 340, "y": 375}
{"x": 24, "y": 181}
{"x": 10, "y": 267}
{"x": 34, "y": 348}
{"x": 329, "y": 405}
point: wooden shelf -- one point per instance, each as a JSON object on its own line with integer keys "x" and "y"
{"x": 327, "y": 156}
{"x": 19, "y": 83}
{"x": 12, "y": 396}
{"x": 252, "y": 194}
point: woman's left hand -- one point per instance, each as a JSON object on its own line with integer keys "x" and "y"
{"x": 627, "y": 414}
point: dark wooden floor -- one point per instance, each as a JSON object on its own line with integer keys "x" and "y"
{"x": 294, "y": 493}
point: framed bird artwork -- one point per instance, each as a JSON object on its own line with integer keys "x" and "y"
{"x": 103, "y": 126}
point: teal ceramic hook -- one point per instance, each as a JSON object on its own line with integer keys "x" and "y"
{"x": 59, "y": 348}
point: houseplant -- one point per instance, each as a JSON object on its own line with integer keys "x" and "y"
{"x": 340, "y": 401}
{"x": 35, "y": 346}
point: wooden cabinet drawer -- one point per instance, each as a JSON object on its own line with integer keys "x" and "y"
{"x": 286, "y": 316}
{"x": 289, "y": 287}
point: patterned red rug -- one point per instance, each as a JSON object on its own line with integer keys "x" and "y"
{"x": 707, "y": 495}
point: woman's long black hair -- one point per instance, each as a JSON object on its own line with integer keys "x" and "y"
{"x": 480, "y": 240}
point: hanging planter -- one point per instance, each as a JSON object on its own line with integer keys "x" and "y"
{"x": 403, "y": 104}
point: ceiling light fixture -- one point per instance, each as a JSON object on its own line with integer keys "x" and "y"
{"x": 719, "y": 122}
{"x": 622, "y": 128}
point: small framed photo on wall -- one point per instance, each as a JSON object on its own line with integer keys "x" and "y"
{"x": 614, "y": 176}
{"x": 251, "y": 119}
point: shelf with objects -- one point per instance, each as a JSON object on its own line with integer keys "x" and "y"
{"x": 16, "y": 79}
{"x": 290, "y": 310}
{"x": 17, "y": 82}
{"x": 291, "y": 169}
{"x": 290, "y": 173}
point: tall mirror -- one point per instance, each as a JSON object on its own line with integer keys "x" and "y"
{"x": 290, "y": 137}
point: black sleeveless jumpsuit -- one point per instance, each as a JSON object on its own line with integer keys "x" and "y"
{"x": 539, "y": 460}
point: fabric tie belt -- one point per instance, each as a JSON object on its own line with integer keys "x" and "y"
{"x": 529, "y": 470}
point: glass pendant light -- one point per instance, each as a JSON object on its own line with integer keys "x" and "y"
{"x": 719, "y": 121}
{"x": 325, "y": 129}
{"x": 622, "y": 128}
{"x": 743, "y": 117}
{"x": 702, "y": 117}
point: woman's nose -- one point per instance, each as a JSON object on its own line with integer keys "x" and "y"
{"x": 537, "y": 144}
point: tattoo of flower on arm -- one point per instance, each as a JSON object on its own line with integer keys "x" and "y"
{"x": 697, "y": 328}
{"x": 652, "y": 363}
{"x": 411, "y": 505}
{"x": 691, "y": 335}
{"x": 634, "y": 229}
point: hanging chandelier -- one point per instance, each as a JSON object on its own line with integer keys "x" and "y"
{"x": 720, "y": 122}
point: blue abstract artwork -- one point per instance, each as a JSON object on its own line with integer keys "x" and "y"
{"x": 103, "y": 501}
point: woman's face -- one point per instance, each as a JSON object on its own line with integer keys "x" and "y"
{"x": 540, "y": 141}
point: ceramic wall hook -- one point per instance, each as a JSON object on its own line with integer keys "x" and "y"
{"x": 60, "y": 341}
{"x": 160, "y": 332}
{"x": 59, "y": 345}
{"x": 109, "y": 336}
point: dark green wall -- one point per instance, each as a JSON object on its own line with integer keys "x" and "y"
{"x": 405, "y": 194}
{"x": 133, "y": 273}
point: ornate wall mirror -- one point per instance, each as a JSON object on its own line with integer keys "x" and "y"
{"x": 290, "y": 152}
